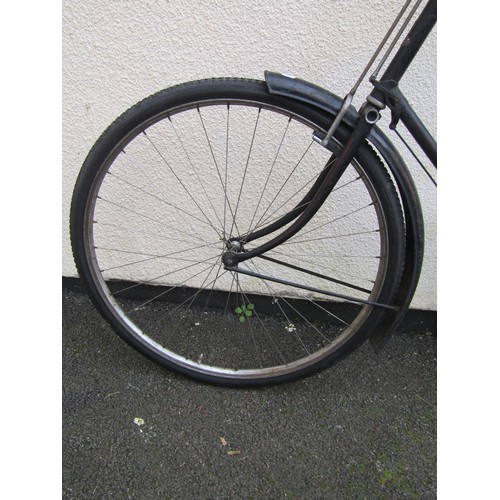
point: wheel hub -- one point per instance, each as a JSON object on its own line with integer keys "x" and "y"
{"x": 229, "y": 257}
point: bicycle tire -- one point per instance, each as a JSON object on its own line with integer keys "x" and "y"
{"x": 189, "y": 167}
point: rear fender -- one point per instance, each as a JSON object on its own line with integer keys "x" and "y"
{"x": 316, "y": 96}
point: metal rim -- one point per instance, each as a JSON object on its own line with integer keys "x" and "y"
{"x": 170, "y": 356}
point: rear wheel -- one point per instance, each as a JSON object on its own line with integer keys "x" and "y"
{"x": 170, "y": 186}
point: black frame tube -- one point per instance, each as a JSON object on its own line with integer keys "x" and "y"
{"x": 418, "y": 130}
{"x": 412, "y": 43}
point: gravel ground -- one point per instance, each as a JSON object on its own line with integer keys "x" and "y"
{"x": 365, "y": 428}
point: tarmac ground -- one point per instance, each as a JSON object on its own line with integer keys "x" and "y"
{"x": 364, "y": 428}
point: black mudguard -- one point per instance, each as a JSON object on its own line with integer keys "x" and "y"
{"x": 317, "y": 96}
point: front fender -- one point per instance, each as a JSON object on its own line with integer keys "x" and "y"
{"x": 318, "y": 97}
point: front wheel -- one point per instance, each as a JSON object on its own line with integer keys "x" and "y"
{"x": 170, "y": 186}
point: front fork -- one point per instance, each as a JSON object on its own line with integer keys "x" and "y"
{"x": 368, "y": 116}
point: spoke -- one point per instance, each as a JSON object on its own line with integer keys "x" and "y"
{"x": 285, "y": 182}
{"x": 226, "y": 200}
{"x": 245, "y": 172}
{"x": 268, "y": 334}
{"x": 194, "y": 169}
{"x": 289, "y": 322}
{"x": 327, "y": 311}
{"x": 165, "y": 256}
{"x": 280, "y": 354}
{"x": 337, "y": 219}
{"x": 167, "y": 291}
{"x": 211, "y": 291}
{"x": 244, "y": 300}
{"x": 238, "y": 291}
{"x": 149, "y": 259}
{"x": 151, "y": 281}
{"x": 254, "y": 342}
{"x": 229, "y": 294}
{"x": 348, "y": 183}
{"x": 180, "y": 284}
{"x": 156, "y": 235}
{"x": 159, "y": 198}
{"x": 223, "y": 185}
{"x": 176, "y": 229}
{"x": 269, "y": 174}
{"x": 180, "y": 182}
{"x": 334, "y": 237}
{"x": 118, "y": 250}
{"x": 190, "y": 298}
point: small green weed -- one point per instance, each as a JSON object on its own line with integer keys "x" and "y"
{"x": 244, "y": 311}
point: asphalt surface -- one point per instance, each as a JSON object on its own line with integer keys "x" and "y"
{"x": 365, "y": 428}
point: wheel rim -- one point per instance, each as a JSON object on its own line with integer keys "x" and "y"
{"x": 160, "y": 214}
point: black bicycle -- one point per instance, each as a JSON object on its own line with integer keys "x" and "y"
{"x": 250, "y": 232}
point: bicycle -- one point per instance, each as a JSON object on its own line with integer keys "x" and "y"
{"x": 246, "y": 232}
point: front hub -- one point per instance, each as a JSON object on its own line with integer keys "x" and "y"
{"x": 229, "y": 258}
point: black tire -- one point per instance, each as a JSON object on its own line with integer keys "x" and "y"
{"x": 151, "y": 216}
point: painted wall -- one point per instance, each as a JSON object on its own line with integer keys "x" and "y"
{"x": 115, "y": 53}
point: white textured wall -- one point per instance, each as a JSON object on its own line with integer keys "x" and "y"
{"x": 117, "y": 52}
